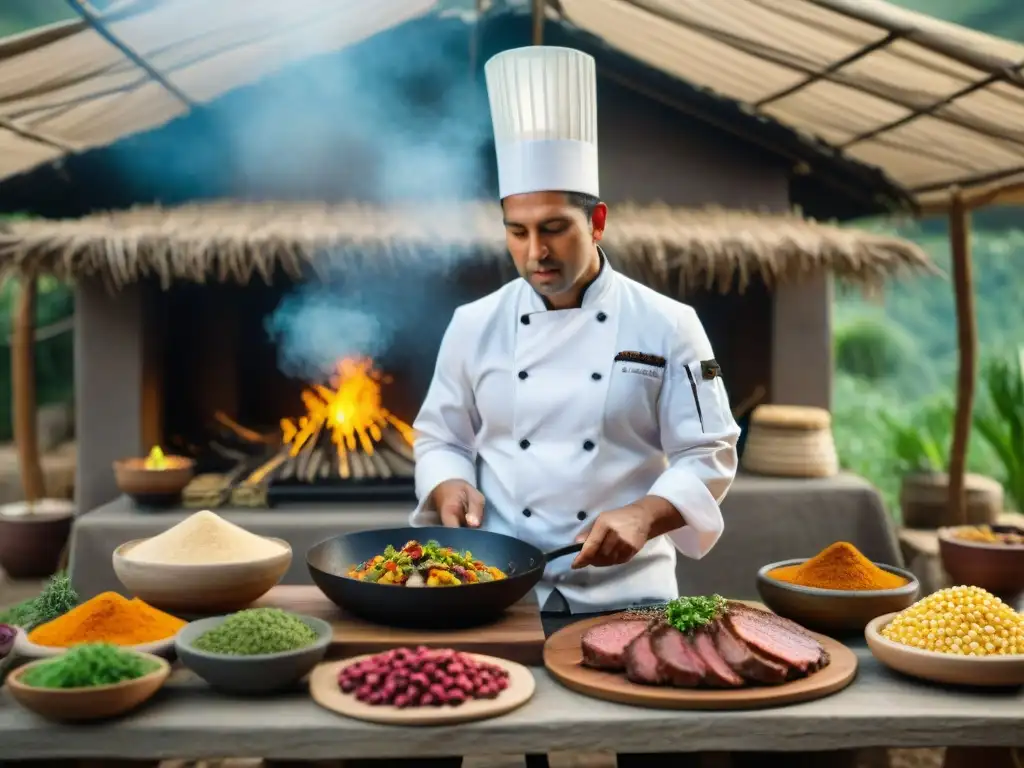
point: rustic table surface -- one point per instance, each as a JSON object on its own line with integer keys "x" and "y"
{"x": 189, "y": 721}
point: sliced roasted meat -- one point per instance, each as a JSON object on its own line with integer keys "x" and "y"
{"x": 717, "y": 673}
{"x": 775, "y": 637}
{"x": 604, "y": 646}
{"x": 641, "y": 664}
{"x": 748, "y": 663}
{"x": 680, "y": 665}
{"x": 788, "y": 625}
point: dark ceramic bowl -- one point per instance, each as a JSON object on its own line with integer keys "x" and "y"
{"x": 834, "y": 611}
{"x": 997, "y": 568}
{"x": 251, "y": 675}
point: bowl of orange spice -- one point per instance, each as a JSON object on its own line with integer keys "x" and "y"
{"x": 838, "y": 591}
{"x": 106, "y": 618}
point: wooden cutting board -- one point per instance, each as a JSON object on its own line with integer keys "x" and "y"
{"x": 563, "y": 658}
{"x": 518, "y": 636}
{"x": 324, "y": 688}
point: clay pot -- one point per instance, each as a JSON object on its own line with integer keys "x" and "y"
{"x": 924, "y": 500}
{"x": 997, "y": 568}
{"x": 33, "y": 540}
{"x": 154, "y": 487}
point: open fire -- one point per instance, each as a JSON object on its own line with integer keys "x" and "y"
{"x": 346, "y": 436}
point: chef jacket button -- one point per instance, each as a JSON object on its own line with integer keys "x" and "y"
{"x": 595, "y": 376}
{"x": 524, "y": 444}
{"x": 523, "y": 374}
{"x": 581, "y": 515}
{"x": 527, "y": 513}
{"x": 601, "y": 317}
{"x": 587, "y": 445}
{"x": 524, "y": 319}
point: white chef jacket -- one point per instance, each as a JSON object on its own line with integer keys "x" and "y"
{"x": 530, "y": 406}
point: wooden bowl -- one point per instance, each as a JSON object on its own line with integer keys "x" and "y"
{"x": 200, "y": 590}
{"x": 80, "y": 704}
{"x": 834, "y": 611}
{"x": 26, "y": 649}
{"x": 997, "y": 568}
{"x": 252, "y": 675}
{"x": 988, "y": 671}
{"x": 154, "y": 487}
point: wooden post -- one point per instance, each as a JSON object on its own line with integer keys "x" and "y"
{"x": 967, "y": 343}
{"x": 23, "y": 391}
{"x": 538, "y": 21}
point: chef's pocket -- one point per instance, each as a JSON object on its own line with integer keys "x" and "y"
{"x": 709, "y": 396}
{"x": 633, "y": 393}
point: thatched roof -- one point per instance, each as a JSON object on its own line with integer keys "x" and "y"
{"x": 669, "y": 249}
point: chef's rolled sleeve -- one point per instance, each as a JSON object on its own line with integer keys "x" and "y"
{"x": 446, "y": 425}
{"x": 699, "y": 436}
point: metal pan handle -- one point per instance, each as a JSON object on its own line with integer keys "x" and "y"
{"x": 557, "y": 553}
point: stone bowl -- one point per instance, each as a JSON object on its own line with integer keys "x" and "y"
{"x": 944, "y": 668}
{"x": 155, "y": 488}
{"x": 997, "y": 568}
{"x": 200, "y": 590}
{"x": 834, "y": 611}
{"x": 81, "y": 704}
{"x": 251, "y": 675}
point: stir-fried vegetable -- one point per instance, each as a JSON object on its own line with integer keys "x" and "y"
{"x": 427, "y": 564}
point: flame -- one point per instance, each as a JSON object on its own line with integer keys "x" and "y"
{"x": 350, "y": 409}
{"x": 156, "y": 459}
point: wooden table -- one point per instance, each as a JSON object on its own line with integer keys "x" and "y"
{"x": 189, "y": 721}
{"x": 517, "y": 636}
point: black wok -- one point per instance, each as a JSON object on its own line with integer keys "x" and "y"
{"x": 428, "y": 607}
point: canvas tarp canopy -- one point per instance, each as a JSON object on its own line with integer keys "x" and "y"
{"x": 76, "y": 85}
{"x": 932, "y": 104}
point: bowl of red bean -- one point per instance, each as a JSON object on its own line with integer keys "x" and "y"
{"x": 422, "y": 676}
{"x": 422, "y": 685}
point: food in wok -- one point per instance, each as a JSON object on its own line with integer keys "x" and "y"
{"x": 430, "y": 565}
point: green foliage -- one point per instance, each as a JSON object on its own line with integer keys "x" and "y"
{"x": 921, "y": 438}
{"x": 1000, "y": 421}
{"x": 871, "y": 348}
{"x": 886, "y": 427}
{"x": 54, "y": 357}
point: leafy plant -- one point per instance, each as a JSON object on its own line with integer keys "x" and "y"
{"x": 872, "y": 348}
{"x": 920, "y": 441}
{"x": 1001, "y": 422}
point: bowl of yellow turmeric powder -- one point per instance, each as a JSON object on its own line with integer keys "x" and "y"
{"x": 107, "y": 618}
{"x": 838, "y": 591}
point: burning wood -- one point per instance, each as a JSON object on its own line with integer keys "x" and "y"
{"x": 346, "y": 433}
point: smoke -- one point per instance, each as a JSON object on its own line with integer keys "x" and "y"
{"x": 397, "y": 323}
{"x": 397, "y": 118}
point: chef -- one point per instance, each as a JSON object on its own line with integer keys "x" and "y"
{"x": 573, "y": 404}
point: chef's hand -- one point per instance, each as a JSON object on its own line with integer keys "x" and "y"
{"x": 459, "y": 504}
{"x": 615, "y": 537}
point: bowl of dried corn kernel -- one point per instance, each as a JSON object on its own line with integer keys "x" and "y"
{"x": 959, "y": 636}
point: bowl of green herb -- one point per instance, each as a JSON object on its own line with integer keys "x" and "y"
{"x": 90, "y": 682}
{"x": 255, "y": 651}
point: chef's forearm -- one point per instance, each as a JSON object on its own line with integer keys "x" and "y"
{"x": 663, "y": 516}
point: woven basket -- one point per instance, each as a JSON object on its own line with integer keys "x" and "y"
{"x": 790, "y": 441}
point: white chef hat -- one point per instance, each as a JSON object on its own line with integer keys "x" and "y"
{"x": 544, "y": 112}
